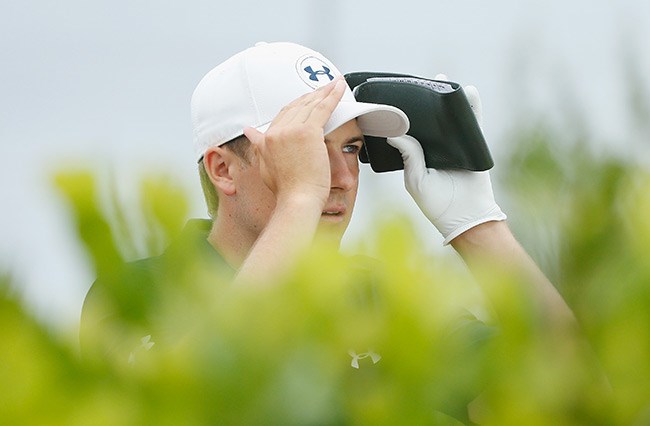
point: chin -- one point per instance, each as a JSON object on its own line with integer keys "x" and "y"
{"x": 331, "y": 232}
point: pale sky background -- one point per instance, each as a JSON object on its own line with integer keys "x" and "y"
{"x": 108, "y": 83}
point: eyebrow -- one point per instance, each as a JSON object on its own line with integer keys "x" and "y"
{"x": 355, "y": 138}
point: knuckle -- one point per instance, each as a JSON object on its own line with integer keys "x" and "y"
{"x": 322, "y": 106}
{"x": 304, "y": 99}
{"x": 302, "y": 131}
{"x": 291, "y": 132}
{"x": 285, "y": 108}
{"x": 272, "y": 136}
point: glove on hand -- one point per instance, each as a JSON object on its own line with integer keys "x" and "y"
{"x": 453, "y": 200}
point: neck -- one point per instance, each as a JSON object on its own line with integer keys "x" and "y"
{"x": 234, "y": 242}
{"x": 229, "y": 240}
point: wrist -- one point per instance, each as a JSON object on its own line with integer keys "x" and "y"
{"x": 482, "y": 236}
{"x": 468, "y": 223}
{"x": 300, "y": 201}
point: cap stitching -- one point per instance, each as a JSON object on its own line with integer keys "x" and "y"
{"x": 250, "y": 91}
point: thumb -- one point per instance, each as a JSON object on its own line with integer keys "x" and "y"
{"x": 256, "y": 139}
{"x": 255, "y": 136}
{"x": 412, "y": 153}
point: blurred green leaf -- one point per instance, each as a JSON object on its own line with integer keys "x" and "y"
{"x": 285, "y": 354}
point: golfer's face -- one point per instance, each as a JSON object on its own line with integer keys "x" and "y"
{"x": 257, "y": 202}
{"x": 343, "y": 146}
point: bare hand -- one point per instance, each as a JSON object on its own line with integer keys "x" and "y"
{"x": 292, "y": 155}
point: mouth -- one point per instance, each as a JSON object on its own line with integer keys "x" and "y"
{"x": 333, "y": 213}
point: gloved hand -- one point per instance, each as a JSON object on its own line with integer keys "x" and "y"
{"x": 453, "y": 200}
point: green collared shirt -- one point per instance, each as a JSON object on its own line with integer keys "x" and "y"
{"x": 122, "y": 309}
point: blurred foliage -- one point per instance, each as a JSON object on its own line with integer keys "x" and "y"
{"x": 596, "y": 207}
{"x": 281, "y": 355}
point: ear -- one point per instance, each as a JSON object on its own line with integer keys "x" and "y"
{"x": 217, "y": 162}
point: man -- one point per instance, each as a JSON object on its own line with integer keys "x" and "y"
{"x": 287, "y": 184}
{"x": 277, "y": 134}
{"x": 299, "y": 173}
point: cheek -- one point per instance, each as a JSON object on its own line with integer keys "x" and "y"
{"x": 255, "y": 194}
{"x": 353, "y": 166}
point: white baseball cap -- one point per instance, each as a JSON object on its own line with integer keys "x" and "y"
{"x": 251, "y": 88}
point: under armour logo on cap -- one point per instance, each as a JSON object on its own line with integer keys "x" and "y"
{"x": 314, "y": 71}
{"x": 313, "y": 75}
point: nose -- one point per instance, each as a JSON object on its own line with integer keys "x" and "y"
{"x": 344, "y": 171}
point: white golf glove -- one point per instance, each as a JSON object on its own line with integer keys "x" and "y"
{"x": 453, "y": 200}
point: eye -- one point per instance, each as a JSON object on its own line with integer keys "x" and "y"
{"x": 352, "y": 148}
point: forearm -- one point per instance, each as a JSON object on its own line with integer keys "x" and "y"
{"x": 492, "y": 244}
{"x": 289, "y": 232}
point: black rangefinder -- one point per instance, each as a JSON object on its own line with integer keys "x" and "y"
{"x": 441, "y": 120}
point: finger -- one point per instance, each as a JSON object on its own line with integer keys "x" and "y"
{"x": 289, "y": 112}
{"x": 304, "y": 111}
{"x": 254, "y": 136}
{"x": 442, "y": 77}
{"x": 474, "y": 99}
{"x": 256, "y": 139}
{"x": 322, "y": 111}
{"x": 300, "y": 108}
{"x": 412, "y": 154}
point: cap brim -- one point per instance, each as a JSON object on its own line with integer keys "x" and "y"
{"x": 373, "y": 119}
